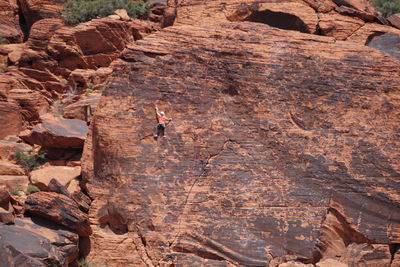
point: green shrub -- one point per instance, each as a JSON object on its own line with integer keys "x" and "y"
{"x": 90, "y": 86}
{"x": 29, "y": 161}
{"x": 88, "y": 91}
{"x": 2, "y": 40}
{"x": 387, "y": 7}
{"x": 15, "y": 191}
{"x": 76, "y": 11}
{"x": 32, "y": 189}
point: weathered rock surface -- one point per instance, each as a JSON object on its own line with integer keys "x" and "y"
{"x": 82, "y": 109}
{"x": 55, "y": 132}
{"x": 6, "y": 216}
{"x": 284, "y": 15}
{"x": 269, "y": 127}
{"x": 9, "y": 22}
{"x": 39, "y": 70}
{"x": 4, "y": 195}
{"x": 14, "y": 181}
{"x": 369, "y": 255}
{"x": 59, "y": 209}
{"x": 387, "y": 42}
{"x": 395, "y": 20}
{"x": 34, "y": 10}
{"x": 92, "y": 44}
{"x": 8, "y": 168}
{"x": 331, "y": 263}
{"x": 338, "y": 26}
{"x": 10, "y": 118}
{"x": 37, "y": 243}
{"x": 8, "y": 148}
{"x": 370, "y": 30}
{"x": 64, "y": 175}
{"x": 362, "y": 5}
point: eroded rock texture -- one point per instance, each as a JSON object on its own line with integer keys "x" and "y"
{"x": 37, "y": 243}
{"x": 271, "y": 130}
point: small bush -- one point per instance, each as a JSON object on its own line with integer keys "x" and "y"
{"x": 76, "y": 11}
{"x": 2, "y": 40}
{"x": 29, "y": 161}
{"x": 88, "y": 91}
{"x": 387, "y": 7}
{"x": 90, "y": 86}
{"x": 32, "y": 189}
{"x": 15, "y": 191}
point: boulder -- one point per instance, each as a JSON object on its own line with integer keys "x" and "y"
{"x": 395, "y": 20}
{"x": 262, "y": 140}
{"x": 64, "y": 175}
{"x": 59, "y": 209}
{"x": 80, "y": 198}
{"x": 388, "y": 43}
{"x": 122, "y": 14}
{"x": 82, "y": 109}
{"x": 55, "y": 132}
{"x": 73, "y": 187}
{"x": 57, "y": 187}
{"x": 14, "y": 181}
{"x": 169, "y": 15}
{"x": 6, "y": 216}
{"x": 37, "y": 243}
{"x": 114, "y": 16}
{"x": 4, "y": 195}
{"x": 8, "y": 168}
{"x": 10, "y": 118}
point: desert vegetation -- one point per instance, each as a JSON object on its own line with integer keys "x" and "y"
{"x": 77, "y": 11}
{"x": 387, "y": 7}
{"x": 30, "y": 160}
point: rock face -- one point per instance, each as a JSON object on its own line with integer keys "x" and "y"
{"x": 271, "y": 130}
{"x": 8, "y": 168}
{"x": 59, "y": 209}
{"x": 10, "y": 118}
{"x": 9, "y": 22}
{"x": 37, "y": 243}
{"x": 395, "y": 20}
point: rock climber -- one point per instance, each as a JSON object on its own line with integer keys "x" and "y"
{"x": 162, "y": 122}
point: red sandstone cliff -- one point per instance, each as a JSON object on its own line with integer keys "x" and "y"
{"x": 283, "y": 147}
{"x": 283, "y": 150}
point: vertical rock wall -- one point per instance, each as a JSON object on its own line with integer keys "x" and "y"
{"x": 271, "y": 130}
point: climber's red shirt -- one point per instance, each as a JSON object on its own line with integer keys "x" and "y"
{"x": 162, "y": 119}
